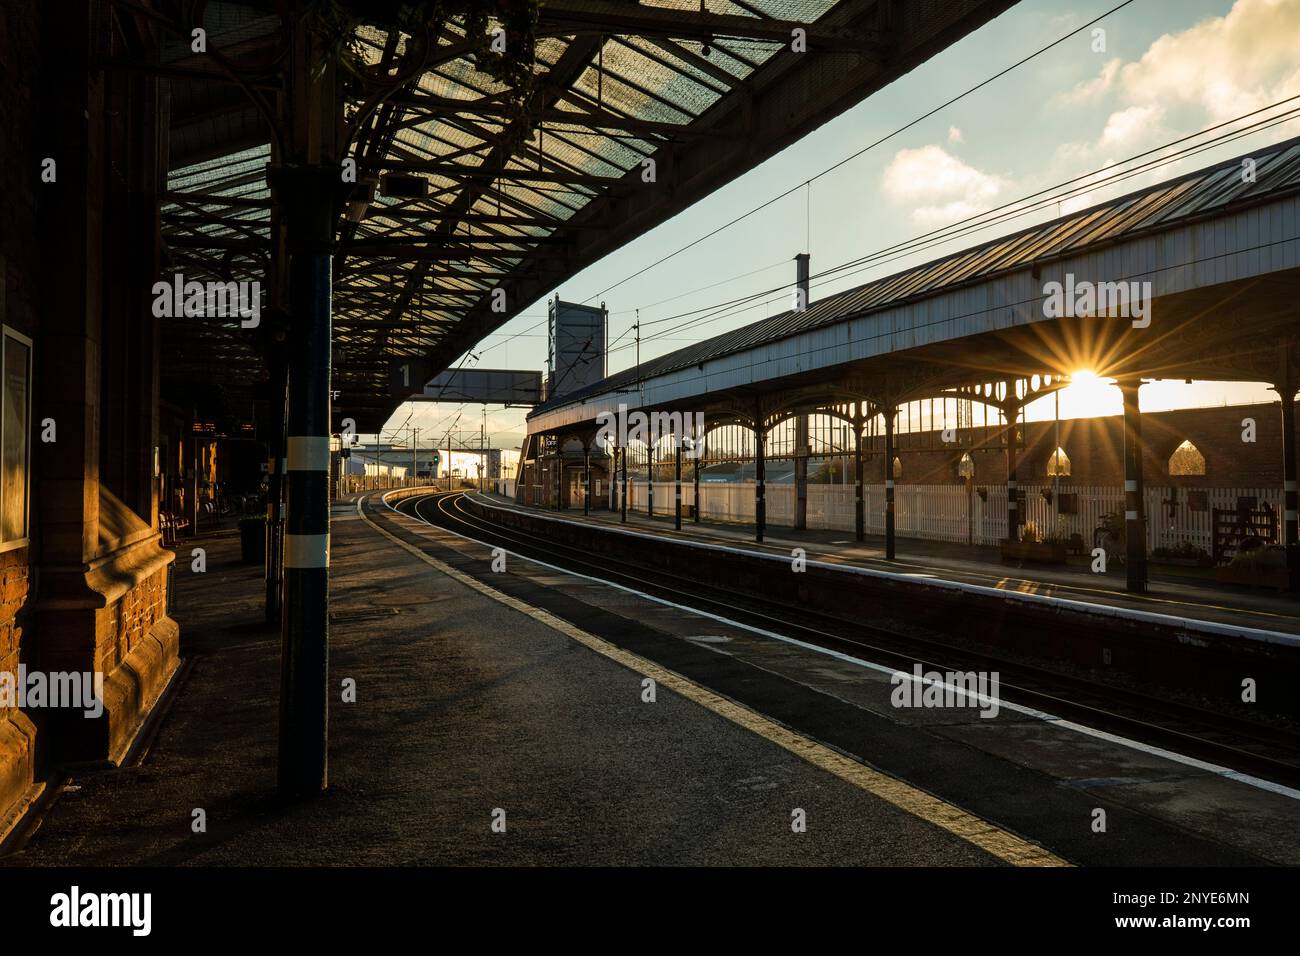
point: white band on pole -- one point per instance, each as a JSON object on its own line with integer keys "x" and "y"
{"x": 309, "y": 453}
{"x": 1130, "y": 485}
{"x": 1130, "y": 516}
{"x": 307, "y": 551}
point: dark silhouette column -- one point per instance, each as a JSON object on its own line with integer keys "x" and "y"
{"x": 801, "y": 471}
{"x": 677, "y": 515}
{"x": 890, "y": 412}
{"x": 699, "y": 457}
{"x": 1134, "y": 499}
{"x": 275, "y": 488}
{"x": 760, "y": 473}
{"x": 308, "y": 194}
{"x": 859, "y": 515}
{"x": 1011, "y": 409}
{"x": 1286, "y": 390}
{"x": 586, "y": 465}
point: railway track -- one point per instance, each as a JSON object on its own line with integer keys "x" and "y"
{"x": 1242, "y": 745}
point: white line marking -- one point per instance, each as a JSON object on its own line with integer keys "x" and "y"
{"x": 1192, "y": 625}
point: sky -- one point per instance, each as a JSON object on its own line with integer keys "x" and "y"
{"x": 1169, "y": 68}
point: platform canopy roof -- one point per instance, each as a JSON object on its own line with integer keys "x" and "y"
{"x": 1194, "y": 196}
{"x": 519, "y": 186}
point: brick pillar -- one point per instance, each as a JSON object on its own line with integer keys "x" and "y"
{"x": 102, "y": 606}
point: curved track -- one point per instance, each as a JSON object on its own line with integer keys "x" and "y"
{"x": 1245, "y": 746}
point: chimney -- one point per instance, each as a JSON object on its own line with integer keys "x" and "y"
{"x": 801, "y": 281}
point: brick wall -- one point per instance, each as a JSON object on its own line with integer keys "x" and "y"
{"x": 19, "y": 297}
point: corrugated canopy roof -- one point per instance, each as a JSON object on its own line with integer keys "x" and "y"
{"x": 1207, "y": 191}
{"x": 518, "y": 197}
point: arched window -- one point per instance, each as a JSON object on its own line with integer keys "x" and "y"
{"x": 1187, "y": 460}
{"x": 898, "y": 468}
{"x": 966, "y": 467}
{"x": 1058, "y": 466}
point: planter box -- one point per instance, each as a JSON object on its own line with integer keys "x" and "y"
{"x": 1043, "y": 552}
{"x": 1206, "y": 562}
{"x": 1250, "y": 576}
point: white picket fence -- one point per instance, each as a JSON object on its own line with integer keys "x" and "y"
{"x": 952, "y": 513}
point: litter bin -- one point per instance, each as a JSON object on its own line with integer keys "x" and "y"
{"x": 252, "y": 540}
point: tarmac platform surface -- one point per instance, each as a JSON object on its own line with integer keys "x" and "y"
{"x": 523, "y": 692}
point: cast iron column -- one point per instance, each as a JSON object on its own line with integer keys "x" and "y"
{"x": 586, "y": 464}
{"x": 1134, "y": 507}
{"x": 275, "y": 488}
{"x": 699, "y": 456}
{"x": 623, "y": 505}
{"x": 677, "y": 517}
{"x": 859, "y": 514}
{"x": 760, "y": 475}
{"x": 801, "y": 472}
{"x": 890, "y": 412}
{"x": 308, "y": 198}
{"x": 1012, "y": 411}
{"x": 1291, "y": 534}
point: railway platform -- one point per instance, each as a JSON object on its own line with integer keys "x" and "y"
{"x": 529, "y": 716}
{"x": 1185, "y": 593}
{"x": 468, "y": 712}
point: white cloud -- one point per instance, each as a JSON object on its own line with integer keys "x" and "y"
{"x": 938, "y": 186}
{"x": 1130, "y": 128}
{"x": 955, "y": 135}
{"x": 1092, "y": 89}
{"x": 1215, "y": 70}
{"x": 1226, "y": 65}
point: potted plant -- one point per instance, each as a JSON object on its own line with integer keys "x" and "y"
{"x": 1184, "y": 554}
{"x": 1032, "y": 546}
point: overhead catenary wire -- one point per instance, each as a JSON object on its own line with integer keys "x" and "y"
{"x": 1008, "y": 211}
{"x": 870, "y": 146}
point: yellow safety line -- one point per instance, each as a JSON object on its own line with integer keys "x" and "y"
{"x": 993, "y": 840}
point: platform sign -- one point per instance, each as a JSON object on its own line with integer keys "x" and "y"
{"x": 407, "y": 375}
{"x": 486, "y": 385}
